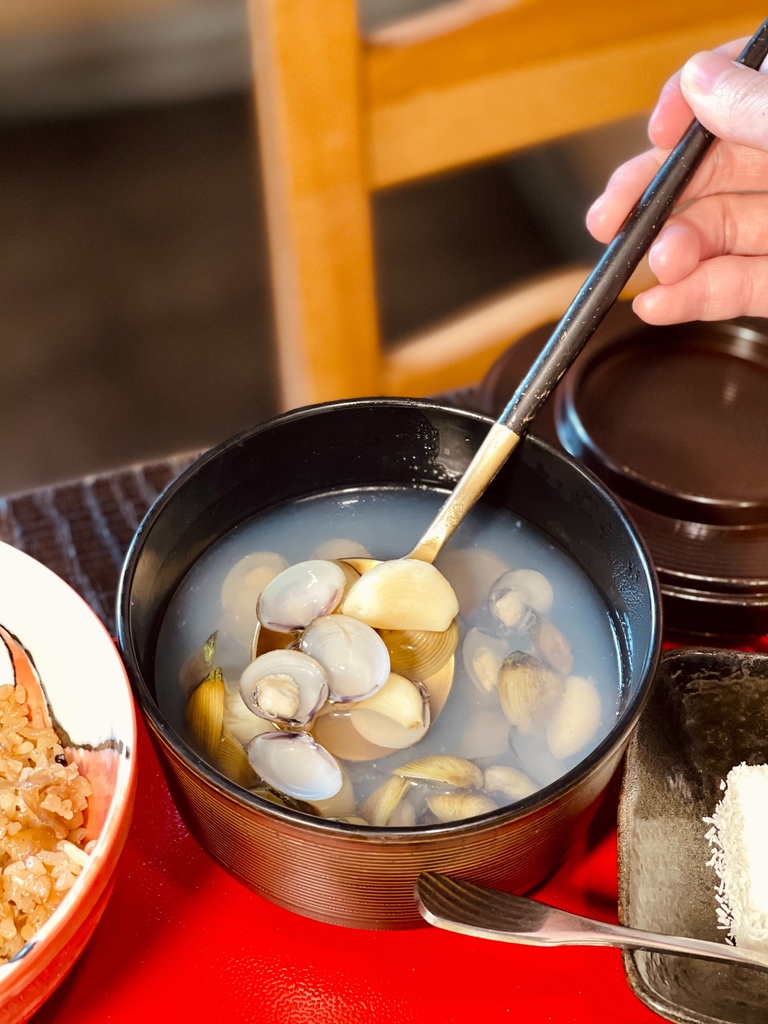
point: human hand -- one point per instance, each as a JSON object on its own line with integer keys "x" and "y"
{"x": 711, "y": 258}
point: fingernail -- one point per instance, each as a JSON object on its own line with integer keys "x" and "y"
{"x": 702, "y": 72}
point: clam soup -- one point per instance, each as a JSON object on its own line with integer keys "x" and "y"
{"x": 498, "y": 702}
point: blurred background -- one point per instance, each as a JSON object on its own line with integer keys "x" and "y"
{"x": 134, "y": 295}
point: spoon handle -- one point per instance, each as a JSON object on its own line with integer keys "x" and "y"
{"x": 596, "y": 296}
{"x": 484, "y": 913}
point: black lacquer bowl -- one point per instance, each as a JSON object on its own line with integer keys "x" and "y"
{"x": 346, "y": 873}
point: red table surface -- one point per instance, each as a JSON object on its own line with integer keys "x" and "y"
{"x": 182, "y": 941}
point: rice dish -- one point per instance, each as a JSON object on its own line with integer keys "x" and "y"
{"x": 43, "y": 802}
{"x": 738, "y": 839}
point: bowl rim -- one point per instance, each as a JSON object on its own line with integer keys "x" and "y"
{"x": 616, "y": 737}
{"x": 95, "y": 876}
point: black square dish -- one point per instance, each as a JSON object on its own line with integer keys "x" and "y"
{"x": 707, "y": 713}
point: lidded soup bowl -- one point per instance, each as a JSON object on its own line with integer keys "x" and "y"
{"x": 351, "y": 873}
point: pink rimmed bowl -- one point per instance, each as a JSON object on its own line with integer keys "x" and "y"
{"x": 90, "y": 702}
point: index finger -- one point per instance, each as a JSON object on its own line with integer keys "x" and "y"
{"x": 672, "y": 115}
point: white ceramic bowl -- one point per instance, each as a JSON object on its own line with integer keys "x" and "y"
{"x": 90, "y": 698}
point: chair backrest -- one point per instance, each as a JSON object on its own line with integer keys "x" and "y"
{"x": 340, "y": 116}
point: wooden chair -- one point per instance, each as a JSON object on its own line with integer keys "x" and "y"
{"x": 340, "y": 116}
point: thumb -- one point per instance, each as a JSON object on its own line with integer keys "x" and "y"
{"x": 728, "y": 99}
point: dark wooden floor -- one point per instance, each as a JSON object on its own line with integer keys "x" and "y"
{"x": 134, "y": 296}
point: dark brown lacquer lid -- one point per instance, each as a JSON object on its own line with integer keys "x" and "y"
{"x": 675, "y": 421}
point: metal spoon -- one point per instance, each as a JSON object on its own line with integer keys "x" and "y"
{"x": 472, "y": 910}
{"x": 597, "y": 295}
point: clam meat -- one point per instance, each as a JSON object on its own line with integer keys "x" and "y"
{"x": 284, "y": 686}
{"x": 517, "y": 593}
{"x": 483, "y": 655}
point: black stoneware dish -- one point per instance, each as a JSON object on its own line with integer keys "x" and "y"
{"x": 707, "y": 714}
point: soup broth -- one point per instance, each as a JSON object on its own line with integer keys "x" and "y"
{"x": 482, "y": 749}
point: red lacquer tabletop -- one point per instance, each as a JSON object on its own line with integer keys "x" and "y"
{"x": 180, "y": 941}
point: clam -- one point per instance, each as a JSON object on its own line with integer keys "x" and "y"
{"x": 471, "y": 572}
{"x": 341, "y": 804}
{"x": 341, "y": 547}
{"x": 333, "y": 729}
{"x": 457, "y": 806}
{"x": 510, "y": 782}
{"x": 204, "y": 713}
{"x": 197, "y": 666}
{"x": 403, "y": 816}
{"x": 272, "y": 796}
{"x": 518, "y": 592}
{"x": 383, "y": 802}
{"x": 295, "y": 764}
{"x": 438, "y": 686}
{"x": 396, "y": 716}
{"x": 284, "y": 686}
{"x": 301, "y": 593}
{"x": 354, "y": 656}
{"x": 486, "y": 736}
{"x": 239, "y": 721}
{"x": 250, "y": 574}
{"x": 447, "y": 769}
{"x": 264, "y": 640}
{"x": 418, "y": 653}
{"x": 483, "y": 655}
{"x": 232, "y": 761}
{"x": 550, "y": 644}
{"x": 529, "y": 691}
{"x": 576, "y": 719}
{"x": 404, "y": 593}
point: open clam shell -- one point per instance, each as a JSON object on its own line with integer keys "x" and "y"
{"x": 518, "y": 592}
{"x": 483, "y": 655}
{"x": 471, "y": 572}
{"x": 295, "y": 764}
{"x": 459, "y": 805}
{"x": 354, "y": 656}
{"x": 510, "y": 782}
{"x": 403, "y": 593}
{"x": 438, "y": 687}
{"x": 419, "y": 653}
{"x": 284, "y": 686}
{"x": 395, "y": 717}
{"x": 238, "y": 719}
{"x": 382, "y": 804}
{"x": 341, "y": 805}
{"x": 576, "y": 719}
{"x": 333, "y": 729}
{"x": 232, "y": 761}
{"x": 204, "y": 714}
{"x": 447, "y": 769}
{"x": 550, "y": 644}
{"x": 301, "y": 593}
